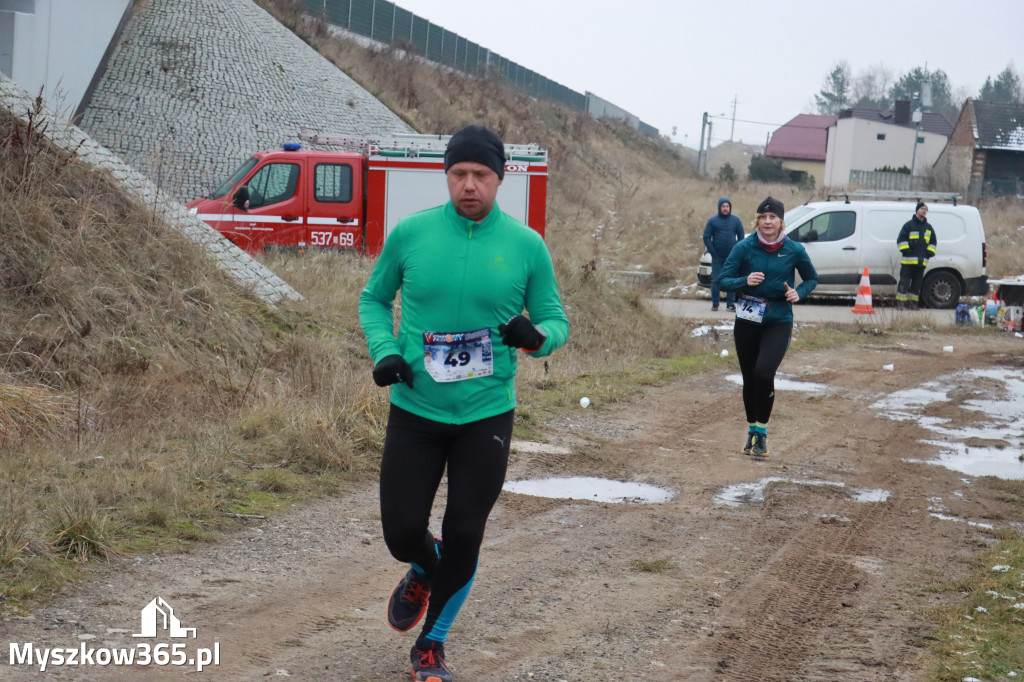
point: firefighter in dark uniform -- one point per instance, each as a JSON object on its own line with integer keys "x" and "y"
{"x": 916, "y": 244}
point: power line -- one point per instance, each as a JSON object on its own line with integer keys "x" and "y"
{"x": 763, "y": 123}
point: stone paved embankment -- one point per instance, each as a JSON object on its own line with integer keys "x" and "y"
{"x": 193, "y": 87}
{"x": 240, "y": 266}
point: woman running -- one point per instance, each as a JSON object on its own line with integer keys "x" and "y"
{"x": 760, "y": 269}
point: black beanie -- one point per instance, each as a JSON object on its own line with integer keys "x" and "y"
{"x": 479, "y": 144}
{"x": 772, "y": 205}
{"x": 919, "y": 205}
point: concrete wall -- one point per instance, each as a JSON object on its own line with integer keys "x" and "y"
{"x": 953, "y": 168}
{"x": 602, "y": 108}
{"x": 193, "y": 87}
{"x": 853, "y": 144}
{"x": 58, "y": 45}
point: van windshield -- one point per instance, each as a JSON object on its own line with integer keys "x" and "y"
{"x": 235, "y": 177}
{"x": 794, "y": 215}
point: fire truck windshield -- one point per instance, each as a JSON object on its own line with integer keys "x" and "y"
{"x": 235, "y": 177}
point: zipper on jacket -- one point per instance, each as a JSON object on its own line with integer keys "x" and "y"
{"x": 466, "y": 259}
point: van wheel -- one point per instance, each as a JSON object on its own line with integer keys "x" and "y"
{"x": 941, "y": 290}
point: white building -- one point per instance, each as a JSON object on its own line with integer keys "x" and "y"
{"x": 866, "y": 139}
{"x": 57, "y": 46}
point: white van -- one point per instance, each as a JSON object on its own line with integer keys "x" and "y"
{"x": 844, "y": 237}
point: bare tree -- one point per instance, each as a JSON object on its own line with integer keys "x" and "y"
{"x": 871, "y": 87}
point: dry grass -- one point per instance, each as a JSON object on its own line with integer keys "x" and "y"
{"x": 141, "y": 393}
{"x": 35, "y": 410}
{"x": 1004, "y": 232}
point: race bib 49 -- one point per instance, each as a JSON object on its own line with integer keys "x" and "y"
{"x": 455, "y": 356}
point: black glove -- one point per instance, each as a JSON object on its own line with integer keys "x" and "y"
{"x": 392, "y": 369}
{"x": 521, "y": 333}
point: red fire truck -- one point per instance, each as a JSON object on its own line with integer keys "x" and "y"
{"x": 310, "y": 199}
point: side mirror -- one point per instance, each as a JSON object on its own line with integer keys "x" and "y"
{"x": 812, "y": 236}
{"x": 241, "y": 198}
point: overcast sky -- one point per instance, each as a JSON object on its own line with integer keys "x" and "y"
{"x": 669, "y": 61}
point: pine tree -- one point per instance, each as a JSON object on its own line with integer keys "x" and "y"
{"x": 835, "y": 93}
{"x": 908, "y": 87}
{"x": 1006, "y": 87}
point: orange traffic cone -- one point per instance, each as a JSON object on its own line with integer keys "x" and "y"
{"x": 863, "y": 303}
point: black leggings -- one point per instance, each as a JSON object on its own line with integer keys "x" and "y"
{"x": 760, "y": 349}
{"x": 416, "y": 451}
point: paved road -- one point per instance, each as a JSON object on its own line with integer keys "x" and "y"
{"x": 839, "y": 311}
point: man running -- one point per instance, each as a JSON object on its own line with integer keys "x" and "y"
{"x": 466, "y": 271}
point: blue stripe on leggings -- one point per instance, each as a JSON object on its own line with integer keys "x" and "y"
{"x": 439, "y": 633}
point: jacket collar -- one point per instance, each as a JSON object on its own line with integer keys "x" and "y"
{"x": 465, "y": 225}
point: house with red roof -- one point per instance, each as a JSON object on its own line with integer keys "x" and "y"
{"x": 870, "y": 139}
{"x": 801, "y": 145}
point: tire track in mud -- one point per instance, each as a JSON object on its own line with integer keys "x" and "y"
{"x": 797, "y": 592}
{"x": 779, "y": 624}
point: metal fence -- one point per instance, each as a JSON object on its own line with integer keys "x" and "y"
{"x": 388, "y": 23}
{"x": 897, "y": 181}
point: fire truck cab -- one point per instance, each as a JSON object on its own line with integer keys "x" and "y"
{"x": 310, "y": 199}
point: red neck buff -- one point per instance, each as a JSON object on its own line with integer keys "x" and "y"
{"x": 770, "y": 247}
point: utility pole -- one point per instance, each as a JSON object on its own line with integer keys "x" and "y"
{"x": 705, "y": 170}
{"x": 917, "y": 134}
{"x": 733, "y": 128}
{"x": 700, "y": 149}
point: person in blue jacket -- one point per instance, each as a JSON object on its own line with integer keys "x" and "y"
{"x": 761, "y": 270}
{"x": 721, "y": 233}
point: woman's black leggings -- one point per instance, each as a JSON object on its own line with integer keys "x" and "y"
{"x": 416, "y": 452}
{"x": 760, "y": 349}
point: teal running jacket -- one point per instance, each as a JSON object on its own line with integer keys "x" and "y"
{"x": 779, "y": 269}
{"x": 456, "y": 275}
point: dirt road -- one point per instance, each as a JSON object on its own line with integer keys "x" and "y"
{"x": 825, "y": 578}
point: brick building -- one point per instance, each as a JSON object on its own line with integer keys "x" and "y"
{"x": 985, "y": 152}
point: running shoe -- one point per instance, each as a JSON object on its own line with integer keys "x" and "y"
{"x": 428, "y": 664}
{"x": 760, "y": 449}
{"x": 731, "y": 308}
{"x": 748, "y": 444}
{"x": 408, "y": 601}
